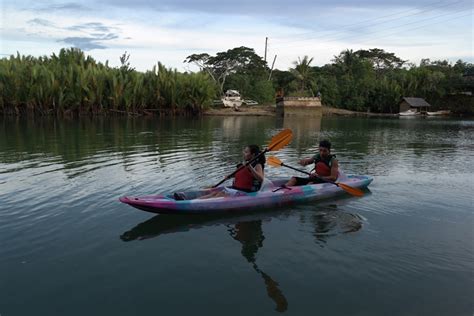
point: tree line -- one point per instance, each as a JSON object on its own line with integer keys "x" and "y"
{"x": 364, "y": 80}
{"x": 375, "y": 81}
{"x": 71, "y": 83}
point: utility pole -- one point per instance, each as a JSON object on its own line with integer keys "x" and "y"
{"x": 271, "y": 70}
{"x": 266, "y": 41}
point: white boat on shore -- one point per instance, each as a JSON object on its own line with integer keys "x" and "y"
{"x": 439, "y": 113}
{"x": 232, "y": 99}
{"x": 409, "y": 112}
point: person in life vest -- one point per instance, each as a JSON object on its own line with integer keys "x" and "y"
{"x": 326, "y": 167}
{"x": 247, "y": 179}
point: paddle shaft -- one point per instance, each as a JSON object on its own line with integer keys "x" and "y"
{"x": 302, "y": 171}
{"x": 272, "y": 290}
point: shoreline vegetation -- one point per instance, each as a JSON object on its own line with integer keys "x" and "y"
{"x": 365, "y": 82}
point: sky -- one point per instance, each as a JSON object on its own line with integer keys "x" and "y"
{"x": 168, "y": 31}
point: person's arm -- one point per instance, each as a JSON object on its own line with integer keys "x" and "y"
{"x": 306, "y": 161}
{"x": 257, "y": 172}
{"x": 334, "y": 171}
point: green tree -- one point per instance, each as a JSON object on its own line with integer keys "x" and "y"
{"x": 303, "y": 73}
{"x": 241, "y": 60}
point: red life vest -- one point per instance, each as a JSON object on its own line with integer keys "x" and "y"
{"x": 244, "y": 180}
{"x": 323, "y": 167}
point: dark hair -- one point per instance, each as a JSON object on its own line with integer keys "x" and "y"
{"x": 325, "y": 144}
{"x": 255, "y": 150}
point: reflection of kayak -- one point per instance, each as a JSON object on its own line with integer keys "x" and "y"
{"x": 164, "y": 224}
{"x": 269, "y": 197}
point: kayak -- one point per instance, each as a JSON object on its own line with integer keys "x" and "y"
{"x": 272, "y": 194}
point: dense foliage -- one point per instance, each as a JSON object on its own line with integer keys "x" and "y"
{"x": 73, "y": 83}
{"x": 374, "y": 80}
{"x": 366, "y": 80}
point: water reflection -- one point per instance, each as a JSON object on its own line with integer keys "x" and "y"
{"x": 78, "y": 148}
{"x": 305, "y": 130}
{"x": 325, "y": 222}
{"x": 250, "y": 234}
{"x": 328, "y": 221}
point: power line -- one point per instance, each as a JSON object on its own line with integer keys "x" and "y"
{"x": 394, "y": 33}
{"x": 375, "y": 32}
{"x": 421, "y": 26}
{"x": 331, "y": 38}
{"x": 384, "y": 16}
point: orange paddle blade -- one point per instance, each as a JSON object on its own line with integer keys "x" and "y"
{"x": 280, "y": 140}
{"x": 274, "y": 161}
{"x": 351, "y": 190}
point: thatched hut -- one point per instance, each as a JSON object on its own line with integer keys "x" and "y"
{"x": 416, "y": 104}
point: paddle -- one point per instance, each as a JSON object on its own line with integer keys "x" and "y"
{"x": 277, "y": 142}
{"x": 272, "y": 290}
{"x": 250, "y": 235}
{"x": 275, "y": 162}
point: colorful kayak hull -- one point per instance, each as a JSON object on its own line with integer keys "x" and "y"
{"x": 271, "y": 197}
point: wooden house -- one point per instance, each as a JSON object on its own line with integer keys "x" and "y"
{"x": 414, "y": 104}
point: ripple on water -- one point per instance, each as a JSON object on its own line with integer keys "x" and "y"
{"x": 59, "y": 208}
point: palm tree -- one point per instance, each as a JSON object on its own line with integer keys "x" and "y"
{"x": 303, "y": 72}
{"x": 346, "y": 60}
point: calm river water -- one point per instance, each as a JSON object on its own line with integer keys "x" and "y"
{"x": 69, "y": 247}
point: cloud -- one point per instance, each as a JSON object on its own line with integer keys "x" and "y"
{"x": 89, "y": 43}
{"x": 84, "y": 43}
{"x": 62, "y": 7}
{"x": 86, "y": 36}
{"x": 276, "y": 7}
{"x": 41, "y": 22}
{"x": 91, "y": 27}
{"x": 170, "y": 30}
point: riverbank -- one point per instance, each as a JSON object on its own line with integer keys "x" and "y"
{"x": 261, "y": 110}
{"x": 330, "y": 111}
{"x": 271, "y": 111}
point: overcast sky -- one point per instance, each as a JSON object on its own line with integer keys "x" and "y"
{"x": 169, "y": 30}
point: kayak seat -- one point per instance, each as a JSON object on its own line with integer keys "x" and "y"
{"x": 179, "y": 196}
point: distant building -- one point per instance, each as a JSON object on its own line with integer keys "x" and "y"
{"x": 414, "y": 104}
{"x": 298, "y": 105}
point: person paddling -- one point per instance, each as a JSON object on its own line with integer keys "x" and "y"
{"x": 246, "y": 180}
{"x": 326, "y": 167}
